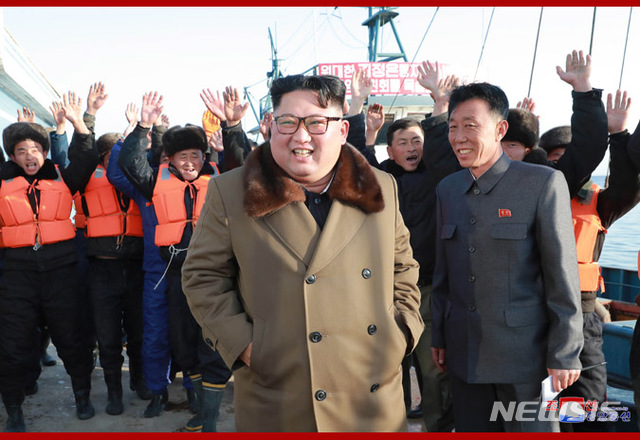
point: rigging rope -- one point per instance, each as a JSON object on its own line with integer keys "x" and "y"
{"x": 415, "y": 55}
{"x": 626, "y": 40}
{"x": 535, "y": 51}
{"x": 593, "y": 27}
{"x": 483, "y": 43}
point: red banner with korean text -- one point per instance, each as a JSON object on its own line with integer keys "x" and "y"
{"x": 387, "y": 78}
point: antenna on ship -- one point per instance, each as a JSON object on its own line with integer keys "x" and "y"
{"x": 375, "y": 22}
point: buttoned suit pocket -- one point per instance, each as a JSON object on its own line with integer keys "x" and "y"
{"x": 509, "y": 231}
{"x": 447, "y": 232}
{"x": 523, "y": 316}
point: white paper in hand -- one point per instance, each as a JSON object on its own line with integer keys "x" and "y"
{"x": 548, "y": 393}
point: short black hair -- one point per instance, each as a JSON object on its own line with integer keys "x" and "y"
{"x": 105, "y": 143}
{"x": 22, "y": 131}
{"x": 401, "y": 124}
{"x": 492, "y": 95}
{"x": 331, "y": 89}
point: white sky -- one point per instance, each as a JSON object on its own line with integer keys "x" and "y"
{"x": 180, "y": 51}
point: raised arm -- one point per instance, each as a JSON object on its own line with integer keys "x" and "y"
{"x": 133, "y": 155}
{"x": 589, "y": 140}
{"x": 361, "y": 86}
{"x": 623, "y": 191}
{"x": 58, "y": 138}
{"x": 82, "y": 150}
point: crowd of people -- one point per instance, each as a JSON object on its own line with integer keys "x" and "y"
{"x": 316, "y": 274}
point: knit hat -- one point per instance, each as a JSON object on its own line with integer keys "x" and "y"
{"x": 555, "y": 138}
{"x": 523, "y": 127}
{"x": 179, "y": 138}
{"x": 22, "y": 131}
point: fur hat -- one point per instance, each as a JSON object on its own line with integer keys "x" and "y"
{"x": 179, "y": 138}
{"x": 22, "y": 131}
{"x": 555, "y": 138}
{"x": 537, "y": 155}
{"x": 523, "y": 127}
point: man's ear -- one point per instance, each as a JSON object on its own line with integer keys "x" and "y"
{"x": 501, "y": 129}
{"x": 390, "y": 153}
{"x": 344, "y": 130}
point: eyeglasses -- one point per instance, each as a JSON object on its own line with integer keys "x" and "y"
{"x": 289, "y": 124}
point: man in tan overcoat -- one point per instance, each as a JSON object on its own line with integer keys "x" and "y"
{"x": 301, "y": 275}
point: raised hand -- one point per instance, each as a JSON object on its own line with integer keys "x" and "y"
{"x": 618, "y": 111}
{"x": 265, "y": 125}
{"x": 577, "y": 71}
{"x": 375, "y": 121}
{"x": 73, "y": 112}
{"x": 131, "y": 113}
{"x": 57, "y": 110}
{"x": 234, "y": 110}
{"x": 361, "y": 86}
{"x": 27, "y": 115}
{"x": 96, "y": 98}
{"x": 429, "y": 76}
{"x": 527, "y": 104}
{"x": 165, "y": 120}
{"x": 215, "y": 141}
{"x": 151, "y": 109}
{"x": 214, "y": 103}
{"x": 375, "y": 117}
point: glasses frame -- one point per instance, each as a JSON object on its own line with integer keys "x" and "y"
{"x": 304, "y": 120}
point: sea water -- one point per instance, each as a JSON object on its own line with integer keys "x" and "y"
{"x": 622, "y": 243}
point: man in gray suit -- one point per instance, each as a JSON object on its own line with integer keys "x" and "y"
{"x": 506, "y": 296}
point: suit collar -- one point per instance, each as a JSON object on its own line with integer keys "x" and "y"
{"x": 490, "y": 178}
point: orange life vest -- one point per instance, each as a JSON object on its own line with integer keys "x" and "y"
{"x": 586, "y": 226}
{"x": 80, "y": 219}
{"x": 168, "y": 202}
{"x": 50, "y": 223}
{"x": 106, "y": 216}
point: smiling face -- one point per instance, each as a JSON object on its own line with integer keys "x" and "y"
{"x": 475, "y": 134}
{"x": 188, "y": 163}
{"x": 29, "y": 155}
{"x": 406, "y": 148}
{"x": 308, "y": 158}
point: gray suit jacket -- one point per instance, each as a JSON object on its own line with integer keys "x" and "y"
{"x": 506, "y": 295}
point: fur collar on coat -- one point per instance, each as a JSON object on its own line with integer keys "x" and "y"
{"x": 268, "y": 188}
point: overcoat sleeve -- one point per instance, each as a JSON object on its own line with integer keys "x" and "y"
{"x": 209, "y": 282}
{"x": 555, "y": 238}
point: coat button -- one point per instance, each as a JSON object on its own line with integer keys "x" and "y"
{"x": 366, "y": 273}
{"x": 472, "y": 221}
{"x": 372, "y": 329}
{"x": 471, "y": 278}
{"x": 374, "y": 387}
{"x": 209, "y": 343}
{"x": 476, "y": 191}
{"x": 315, "y": 337}
{"x": 472, "y": 249}
{"x": 471, "y": 308}
{"x": 310, "y": 279}
{"x": 321, "y": 395}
